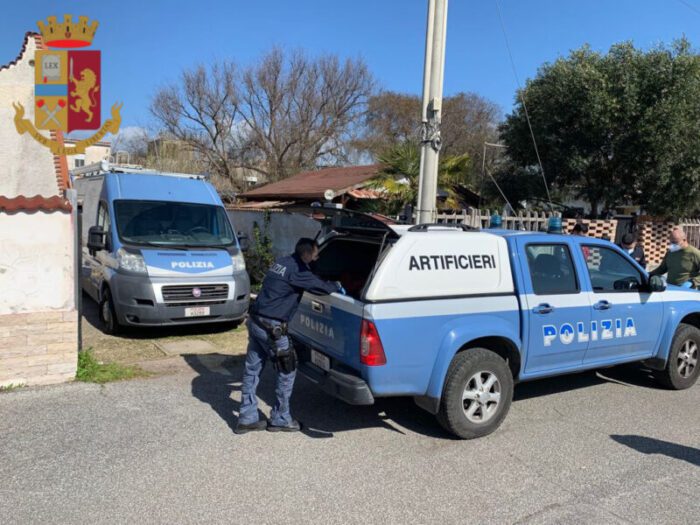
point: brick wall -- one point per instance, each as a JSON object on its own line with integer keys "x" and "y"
{"x": 598, "y": 228}
{"x": 38, "y": 348}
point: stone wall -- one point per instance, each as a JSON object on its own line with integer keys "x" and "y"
{"x": 38, "y": 348}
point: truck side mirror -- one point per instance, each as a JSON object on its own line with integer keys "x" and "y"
{"x": 656, "y": 284}
{"x": 243, "y": 241}
{"x": 96, "y": 239}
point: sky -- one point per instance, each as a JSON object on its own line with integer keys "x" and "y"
{"x": 145, "y": 44}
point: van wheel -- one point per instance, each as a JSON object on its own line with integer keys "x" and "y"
{"x": 477, "y": 394}
{"x": 682, "y": 369}
{"x": 108, "y": 314}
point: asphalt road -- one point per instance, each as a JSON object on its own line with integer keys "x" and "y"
{"x": 591, "y": 448}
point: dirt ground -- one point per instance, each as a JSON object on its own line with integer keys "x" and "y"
{"x": 147, "y": 344}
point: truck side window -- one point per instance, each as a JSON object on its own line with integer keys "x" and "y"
{"x": 610, "y": 271}
{"x": 551, "y": 269}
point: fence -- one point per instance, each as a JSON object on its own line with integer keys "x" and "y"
{"x": 529, "y": 221}
{"x": 651, "y": 233}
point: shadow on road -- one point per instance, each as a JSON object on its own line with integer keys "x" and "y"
{"x": 632, "y": 375}
{"x": 647, "y": 445}
{"x": 322, "y": 416}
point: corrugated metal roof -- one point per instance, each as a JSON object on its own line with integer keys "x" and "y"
{"x": 258, "y": 205}
{"x": 313, "y": 184}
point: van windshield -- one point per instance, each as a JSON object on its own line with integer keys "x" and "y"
{"x": 172, "y": 223}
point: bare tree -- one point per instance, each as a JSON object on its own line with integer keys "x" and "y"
{"x": 132, "y": 141}
{"x": 287, "y": 113}
{"x": 468, "y": 121}
{"x": 200, "y": 111}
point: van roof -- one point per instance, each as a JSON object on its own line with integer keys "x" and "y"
{"x": 157, "y": 187}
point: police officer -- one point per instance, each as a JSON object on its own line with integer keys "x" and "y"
{"x": 283, "y": 286}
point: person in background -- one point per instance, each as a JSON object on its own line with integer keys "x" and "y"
{"x": 580, "y": 229}
{"x": 681, "y": 262}
{"x": 633, "y": 248}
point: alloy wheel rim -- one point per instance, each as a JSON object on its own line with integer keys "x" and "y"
{"x": 481, "y": 397}
{"x": 688, "y": 359}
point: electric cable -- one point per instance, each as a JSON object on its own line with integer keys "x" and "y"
{"x": 522, "y": 101}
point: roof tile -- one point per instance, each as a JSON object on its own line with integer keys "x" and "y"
{"x": 33, "y": 204}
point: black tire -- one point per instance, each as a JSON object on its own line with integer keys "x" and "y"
{"x": 108, "y": 315}
{"x": 462, "y": 373}
{"x": 680, "y": 373}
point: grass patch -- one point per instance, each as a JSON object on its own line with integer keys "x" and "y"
{"x": 11, "y": 387}
{"x": 90, "y": 370}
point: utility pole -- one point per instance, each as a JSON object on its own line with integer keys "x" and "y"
{"x": 433, "y": 74}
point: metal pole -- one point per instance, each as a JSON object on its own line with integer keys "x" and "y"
{"x": 72, "y": 196}
{"x": 433, "y": 74}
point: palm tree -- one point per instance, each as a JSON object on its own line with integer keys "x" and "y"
{"x": 398, "y": 178}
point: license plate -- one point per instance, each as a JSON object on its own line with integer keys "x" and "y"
{"x": 320, "y": 360}
{"x": 196, "y": 311}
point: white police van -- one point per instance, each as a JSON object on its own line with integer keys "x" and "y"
{"x": 455, "y": 318}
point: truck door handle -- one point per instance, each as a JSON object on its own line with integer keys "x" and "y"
{"x": 317, "y": 307}
{"x": 543, "y": 308}
{"x": 602, "y": 305}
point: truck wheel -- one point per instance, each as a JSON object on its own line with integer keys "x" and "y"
{"x": 108, "y": 314}
{"x": 682, "y": 369}
{"x": 477, "y": 394}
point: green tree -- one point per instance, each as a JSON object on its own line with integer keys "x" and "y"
{"x": 615, "y": 128}
{"x": 401, "y": 170}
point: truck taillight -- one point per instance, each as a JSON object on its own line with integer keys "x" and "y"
{"x": 371, "y": 349}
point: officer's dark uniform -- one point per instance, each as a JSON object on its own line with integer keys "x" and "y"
{"x": 283, "y": 286}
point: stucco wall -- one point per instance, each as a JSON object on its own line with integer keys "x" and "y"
{"x": 36, "y": 262}
{"x": 26, "y": 167}
{"x": 285, "y": 229}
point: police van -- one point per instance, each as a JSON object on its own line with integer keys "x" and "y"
{"x": 455, "y": 317}
{"x": 158, "y": 249}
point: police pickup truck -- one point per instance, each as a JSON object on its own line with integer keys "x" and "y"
{"x": 455, "y": 318}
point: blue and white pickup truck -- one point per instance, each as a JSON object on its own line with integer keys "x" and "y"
{"x": 455, "y": 318}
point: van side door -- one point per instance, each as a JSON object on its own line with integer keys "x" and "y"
{"x": 626, "y": 317}
{"x": 94, "y": 261}
{"x": 556, "y": 309}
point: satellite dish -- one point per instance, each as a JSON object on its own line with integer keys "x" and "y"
{"x": 329, "y": 195}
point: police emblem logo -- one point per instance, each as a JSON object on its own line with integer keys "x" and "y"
{"x": 67, "y": 86}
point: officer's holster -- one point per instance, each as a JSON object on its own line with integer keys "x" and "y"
{"x": 285, "y": 360}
